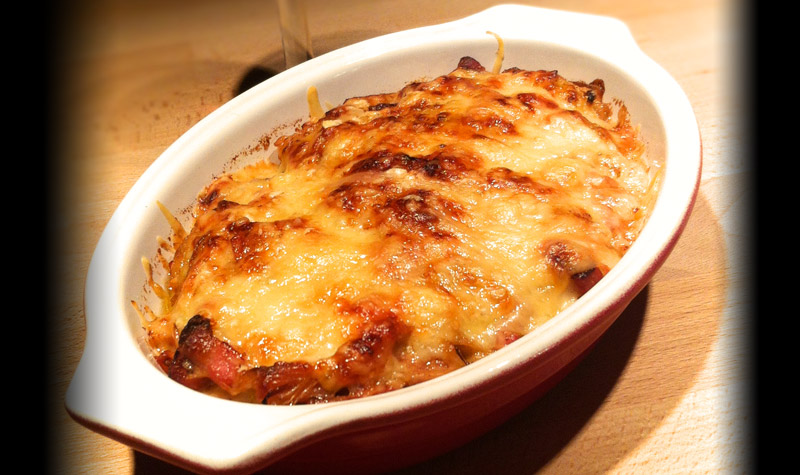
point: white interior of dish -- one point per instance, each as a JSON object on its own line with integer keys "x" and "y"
{"x": 118, "y": 387}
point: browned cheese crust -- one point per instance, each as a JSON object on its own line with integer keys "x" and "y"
{"x": 402, "y": 236}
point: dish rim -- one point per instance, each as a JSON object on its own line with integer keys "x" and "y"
{"x": 296, "y": 420}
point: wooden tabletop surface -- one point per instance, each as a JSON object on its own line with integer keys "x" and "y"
{"x": 665, "y": 390}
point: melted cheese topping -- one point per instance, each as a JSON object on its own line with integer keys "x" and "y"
{"x": 472, "y": 208}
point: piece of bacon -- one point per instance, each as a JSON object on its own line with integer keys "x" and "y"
{"x": 583, "y": 281}
{"x": 569, "y": 258}
{"x": 468, "y": 62}
{"x": 203, "y": 360}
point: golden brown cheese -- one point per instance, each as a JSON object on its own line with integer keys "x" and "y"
{"x": 402, "y": 236}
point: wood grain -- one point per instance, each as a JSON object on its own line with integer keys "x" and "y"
{"x": 665, "y": 390}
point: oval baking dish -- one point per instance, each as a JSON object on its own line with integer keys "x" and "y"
{"x": 117, "y": 389}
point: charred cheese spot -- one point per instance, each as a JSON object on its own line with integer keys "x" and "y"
{"x": 536, "y": 102}
{"x": 418, "y": 212}
{"x": 403, "y": 235}
{"x": 438, "y": 166}
{"x": 504, "y": 178}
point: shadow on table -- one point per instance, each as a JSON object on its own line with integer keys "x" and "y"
{"x": 273, "y": 62}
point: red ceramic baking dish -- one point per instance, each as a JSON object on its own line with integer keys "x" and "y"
{"x": 120, "y": 392}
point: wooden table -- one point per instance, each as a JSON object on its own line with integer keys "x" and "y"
{"x": 665, "y": 390}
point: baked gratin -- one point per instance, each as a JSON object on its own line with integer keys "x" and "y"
{"x": 399, "y": 237}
